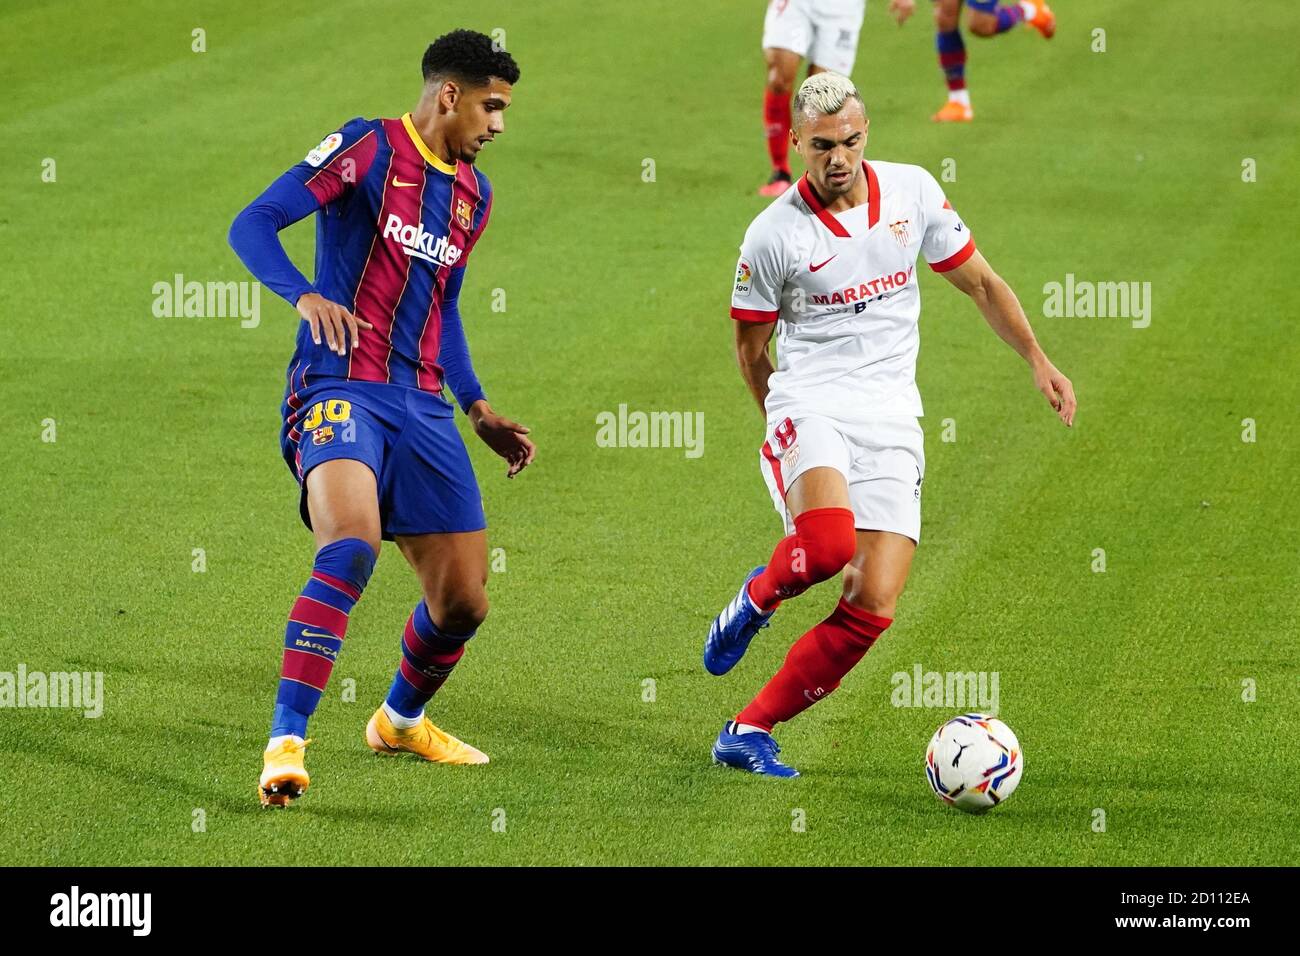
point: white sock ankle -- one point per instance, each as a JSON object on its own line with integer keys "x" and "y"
{"x": 402, "y": 722}
{"x": 960, "y": 96}
{"x": 747, "y": 729}
{"x": 276, "y": 741}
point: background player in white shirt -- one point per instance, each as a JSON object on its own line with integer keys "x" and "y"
{"x": 825, "y": 33}
{"x": 830, "y": 267}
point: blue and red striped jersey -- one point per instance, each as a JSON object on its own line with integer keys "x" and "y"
{"x": 395, "y": 221}
{"x": 395, "y": 226}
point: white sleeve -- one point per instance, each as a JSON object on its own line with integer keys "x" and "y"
{"x": 947, "y": 243}
{"x": 760, "y": 277}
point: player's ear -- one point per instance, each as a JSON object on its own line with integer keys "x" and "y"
{"x": 449, "y": 95}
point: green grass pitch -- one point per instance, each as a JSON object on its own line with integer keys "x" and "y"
{"x": 1125, "y": 686}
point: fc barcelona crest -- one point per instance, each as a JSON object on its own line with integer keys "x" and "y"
{"x": 323, "y": 435}
{"x": 464, "y": 213}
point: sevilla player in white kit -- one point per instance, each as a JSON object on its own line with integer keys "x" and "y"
{"x": 830, "y": 266}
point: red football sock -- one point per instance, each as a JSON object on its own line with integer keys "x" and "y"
{"x": 776, "y": 117}
{"x": 822, "y": 543}
{"x": 815, "y": 665}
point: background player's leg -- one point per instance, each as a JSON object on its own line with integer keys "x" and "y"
{"x": 452, "y": 569}
{"x": 818, "y": 661}
{"x": 952, "y": 60}
{"x": 822, "y": 543}
{"x": 782, "y": 66}
{"x": 988, "y": 18}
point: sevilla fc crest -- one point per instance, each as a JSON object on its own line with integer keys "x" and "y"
{"x": 463, "y": 213}
{"x": 899, "y": 229}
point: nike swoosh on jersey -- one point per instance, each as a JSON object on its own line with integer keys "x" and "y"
{"x": 397, "y": 182}
{"x": 814, "y": 268}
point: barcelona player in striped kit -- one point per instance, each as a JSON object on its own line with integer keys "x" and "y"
{"x": 984, "y": 18}
{"x": 368, "y": 428}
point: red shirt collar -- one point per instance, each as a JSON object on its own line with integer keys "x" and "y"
{"x": 828, "y": 219}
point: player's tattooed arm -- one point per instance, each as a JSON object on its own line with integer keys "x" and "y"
{"x": 1002, "y": 311}
{"x": 753, "y": 358}
{"x": 332, "y": 320}
{"x": 508, "y": 439}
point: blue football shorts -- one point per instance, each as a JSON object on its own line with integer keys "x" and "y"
{"x": 406, "y": 436}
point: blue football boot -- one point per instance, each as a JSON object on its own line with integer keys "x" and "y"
{"x": 755, "y": 752}
{"x": 733, "y": 629}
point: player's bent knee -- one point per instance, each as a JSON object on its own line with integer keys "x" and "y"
{"x": 779, "y": 83}
{"x": 343, "y": 534}
{"x": 459, "y": 614}
{"x": 827, "y": 541}
{"x": 859, "y": 593}
{"x": 830, "y": 557}
{"x": 982, "y": 24}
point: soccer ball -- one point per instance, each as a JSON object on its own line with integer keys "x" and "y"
{"x": 974, "y": 762}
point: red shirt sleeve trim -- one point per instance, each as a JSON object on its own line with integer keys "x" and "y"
{"x": 956, "y": 259}
{"x": 754, "y": 315}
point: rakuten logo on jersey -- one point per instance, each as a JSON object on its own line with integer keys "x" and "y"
{"x": 423, "y": 245}
{"x": 864, "y": 292}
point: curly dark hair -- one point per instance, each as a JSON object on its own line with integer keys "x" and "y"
{"x": 470, "y": 57}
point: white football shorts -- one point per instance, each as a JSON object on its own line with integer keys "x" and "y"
{"x": 883, "y": 462}
{"x": 824, "y": 32}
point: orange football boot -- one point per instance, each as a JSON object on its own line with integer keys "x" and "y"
{"x": 424, "y": 740}
{"x": 284, "y": 778}
{"x": 954, "y": 112}
{"x": 1043, "y": 20}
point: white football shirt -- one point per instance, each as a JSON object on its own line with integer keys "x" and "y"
{"x": 842, "y": 288}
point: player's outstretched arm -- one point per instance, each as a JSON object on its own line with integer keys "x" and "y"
{"x": 752, "y": 356}
{"x": 1002, "y": 311}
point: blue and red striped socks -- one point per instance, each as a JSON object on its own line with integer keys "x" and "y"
{"x": 1009, "y": 16}
{"x": 952, "y": 60}
{"x": 314, "y": 635}
{"x": 428, "y": 656}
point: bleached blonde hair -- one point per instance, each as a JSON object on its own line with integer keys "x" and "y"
{"x": 825, "y": 93}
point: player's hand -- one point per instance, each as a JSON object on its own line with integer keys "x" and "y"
{"x": 506, "y": 438}
{"x": 900, "y": 10}
{"x": 1057, "y": 389}
{"x": 330, "y": 319}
